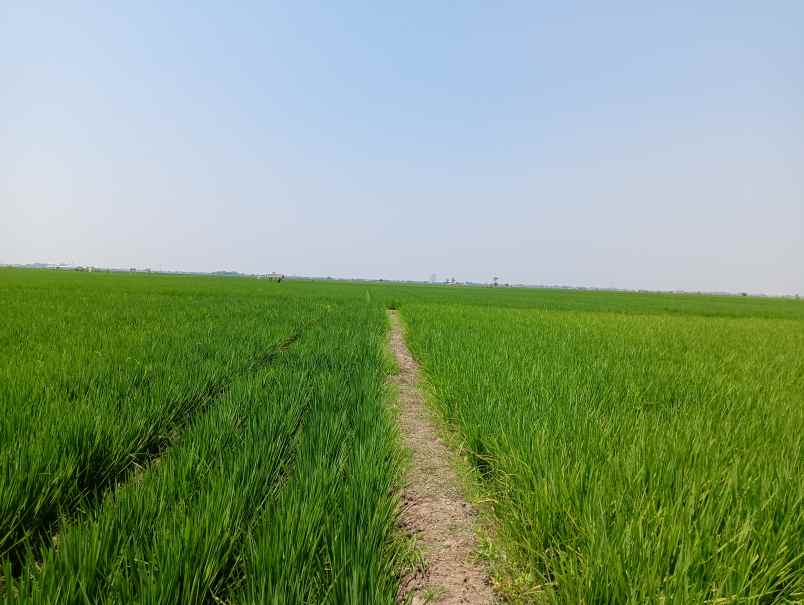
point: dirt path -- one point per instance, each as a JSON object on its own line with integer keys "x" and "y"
{"x": 434, "y": 511}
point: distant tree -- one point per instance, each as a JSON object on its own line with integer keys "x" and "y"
{"x": 495, "y": 279}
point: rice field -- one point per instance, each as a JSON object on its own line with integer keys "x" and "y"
{"x": 193, "y": 441}
{"x": 189, "y": 439}
{"x": 629, "y": 458}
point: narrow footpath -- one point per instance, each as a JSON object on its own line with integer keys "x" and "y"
{"x": 434, "y": 510}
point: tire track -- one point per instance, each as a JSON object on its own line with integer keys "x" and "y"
{"x": 27, "y": 540}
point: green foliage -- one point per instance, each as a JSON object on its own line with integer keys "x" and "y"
{"x": 276, "y": 486}
{"x": 189, "y": 439}
{"x": 631, "y": 458}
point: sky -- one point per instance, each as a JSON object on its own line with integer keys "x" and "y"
{"x": 605, "y": 144}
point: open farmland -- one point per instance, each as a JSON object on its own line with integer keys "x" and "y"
{"x": 176, "y": 439}
{"x": 186, "y": 440}
{"x": 630, "y": 457}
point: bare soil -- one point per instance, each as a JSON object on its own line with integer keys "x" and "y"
{"x": 434, "y": 510}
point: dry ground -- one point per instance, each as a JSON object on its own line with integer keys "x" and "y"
{"x": 434, "y": 509}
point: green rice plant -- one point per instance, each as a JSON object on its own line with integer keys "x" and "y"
{"x": 186, "y": 439}
{"x": 630, "y": 458}
{"x": 94, "y": 386}
{"x": 296, "y": 453}
{"x": 326, "y": 537}
{"x": 172, "y": 531}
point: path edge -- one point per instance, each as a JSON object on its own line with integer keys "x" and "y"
{"x": 487, "y": 550}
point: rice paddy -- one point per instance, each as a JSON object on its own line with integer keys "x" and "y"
{"x": 172, "y": 442}
{"x": 188, "y": 439}
{"x": 630, "y": 458}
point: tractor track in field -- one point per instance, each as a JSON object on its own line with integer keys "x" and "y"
{"x": 146, "y": 459}
{"x": 210, "y": 396}
{"x": 434, "y": 511}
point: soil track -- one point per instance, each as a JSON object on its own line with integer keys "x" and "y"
{"x": 434, "y": 510}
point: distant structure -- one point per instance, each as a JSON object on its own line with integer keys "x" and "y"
{"x": 277, "y": 277}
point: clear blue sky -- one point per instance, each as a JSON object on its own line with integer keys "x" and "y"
{"x": 642, "y": 145}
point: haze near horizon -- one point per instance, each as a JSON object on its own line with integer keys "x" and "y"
{"x": 624, "y": 145}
